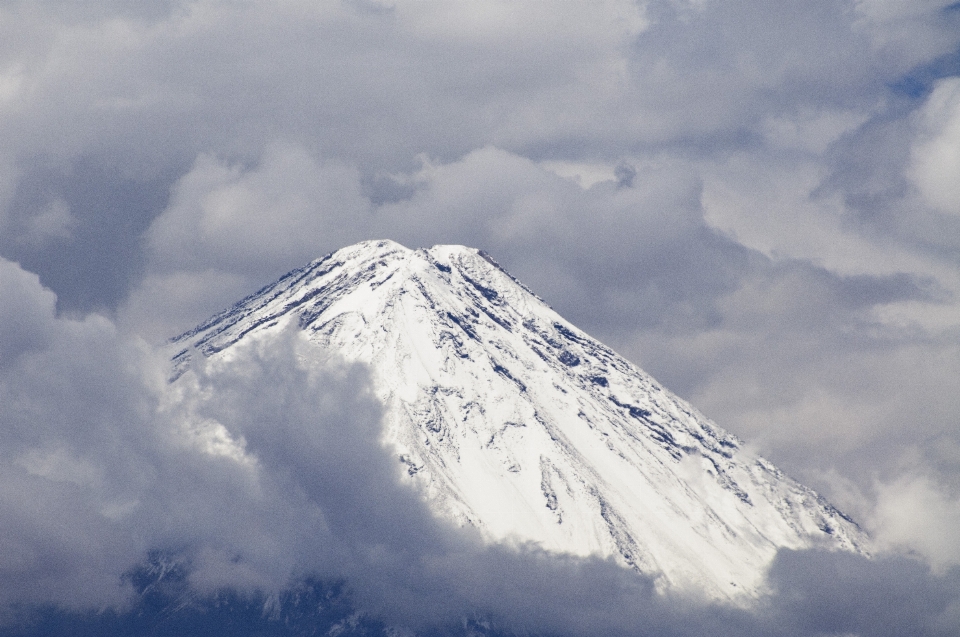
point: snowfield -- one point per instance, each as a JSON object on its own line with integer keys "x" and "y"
{"x": 511, "y": 420}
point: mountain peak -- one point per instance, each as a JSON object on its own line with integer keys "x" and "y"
{"x": 511, "y": 420}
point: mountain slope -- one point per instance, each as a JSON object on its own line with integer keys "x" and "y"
{"x": 513, "y": 420}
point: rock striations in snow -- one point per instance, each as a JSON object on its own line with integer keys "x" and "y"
{"x": 512, "y": 420}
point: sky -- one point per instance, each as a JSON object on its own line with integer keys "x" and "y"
{"x": 756, "y": 201}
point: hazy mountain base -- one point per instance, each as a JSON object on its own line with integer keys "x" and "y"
{"x": 814, "y": 593}
{"x": 164, "y": 604}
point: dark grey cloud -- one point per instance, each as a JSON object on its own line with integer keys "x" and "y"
{"x": 822, "y": 593}
{"x": 80, "y": 227}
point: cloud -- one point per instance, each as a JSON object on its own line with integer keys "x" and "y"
{"x": 837, "y": 594}
{"x": 66, "y": 400}
{"x": 936, "y": 152}
{"x": 916, "y": 30}
{"x": 917, "y": 514}
{"x": 103, "y": 462}
{"x": 784, "y": 255}
{"x": 25, "y": 315}
{"x": 230, "y": 228}
{"x": 256, "y": 221}
{"x": 78, "y": 226}
{"x": 370, "y": 90}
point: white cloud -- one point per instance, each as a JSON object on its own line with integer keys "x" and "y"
{"x": 25, "y": 314}
{"x": 935, "y": 165}
{"x": 916, "y": 514}
{"x": 229, "y": 229}
{"x": 102, "y": 462}
{"x": 282, "y": 212}
{"x": 584, "y": 174}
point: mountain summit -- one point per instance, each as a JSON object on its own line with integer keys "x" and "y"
{"x": 512, "y": 420}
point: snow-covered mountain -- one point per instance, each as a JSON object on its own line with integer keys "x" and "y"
{"x": 512, "y": 420}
